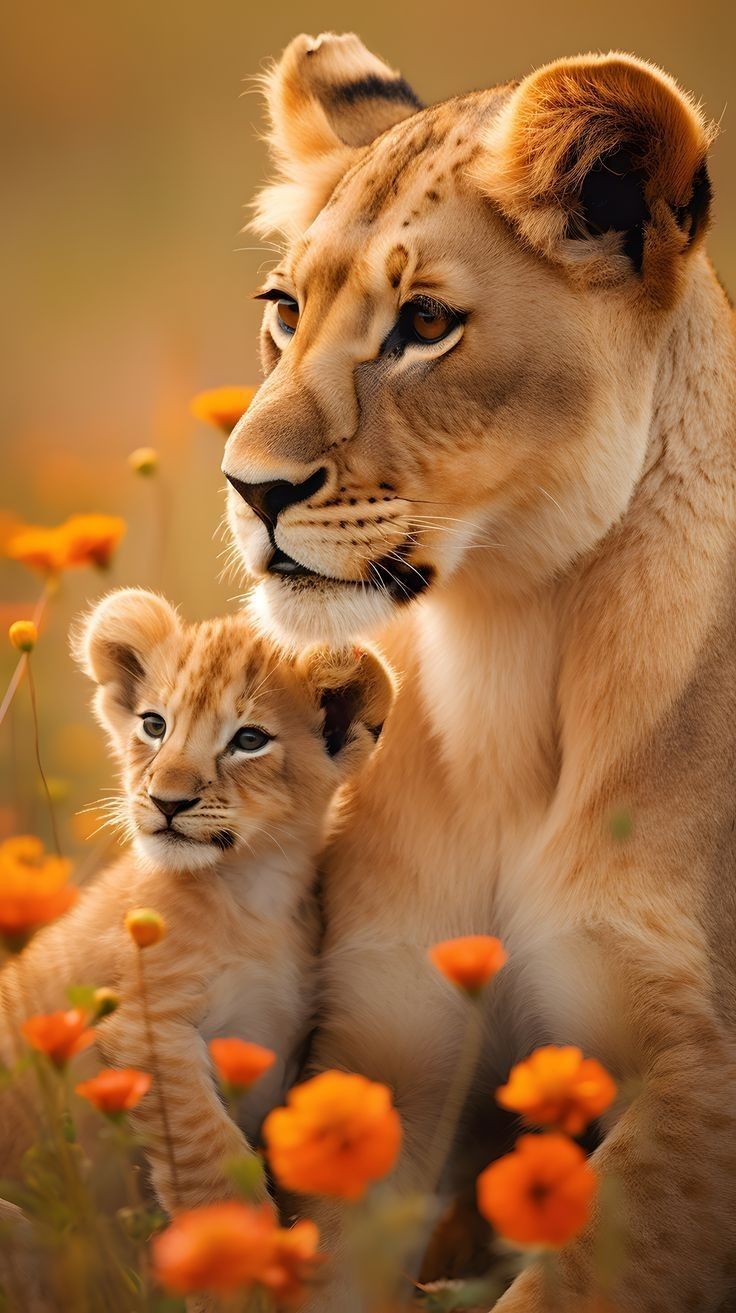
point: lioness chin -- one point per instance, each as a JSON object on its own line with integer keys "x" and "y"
{"x": 498, "y": 424}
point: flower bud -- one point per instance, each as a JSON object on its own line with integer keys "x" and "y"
{"x": 144, "y": 460}
{"x": 23, "y": 634}
{"x": 104, "y": 1001}
{"x": 145, "y": 926}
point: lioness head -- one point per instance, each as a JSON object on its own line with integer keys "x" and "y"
{"x": 225, "y": 744}
{"x": 461, "y": 338}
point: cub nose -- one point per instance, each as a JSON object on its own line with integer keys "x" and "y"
{"x": 170, "y": 807}
{"x": 269, "y": 499}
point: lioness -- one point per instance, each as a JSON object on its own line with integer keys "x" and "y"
{"x": 499, "y": 424}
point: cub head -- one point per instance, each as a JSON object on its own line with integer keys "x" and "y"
{"x": 225, "y": 744}
{"x": 461, "y": 338}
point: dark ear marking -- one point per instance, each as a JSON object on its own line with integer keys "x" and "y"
{"x": 612, "y": 200}
{"x": 130, "y": 671}
{"x": 341, "y": 706}
{"x": 694, "y": 214}
{"x": 373, "y": 87}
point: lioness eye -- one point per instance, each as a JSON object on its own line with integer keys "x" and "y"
{"x": 288, "y": 314}
{"x": 153, "y": 725}
{"x": 422, "y": 322}
{"x": 249, "y": 739}
{"x": 431, "y": 325}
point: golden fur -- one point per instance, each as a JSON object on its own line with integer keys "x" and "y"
{"x": 552, "y": 488}
{"x": 238, "y": 955}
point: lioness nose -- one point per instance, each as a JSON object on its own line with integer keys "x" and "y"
{"x": 269, "y": 499}
{"x": 171, "y": 807}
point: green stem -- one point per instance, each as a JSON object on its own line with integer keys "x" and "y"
{"x": 456, "y": 1095}
{"x": 47, "y": 791}
{"x": 451, "y": 1111}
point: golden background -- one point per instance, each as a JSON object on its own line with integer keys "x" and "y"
{"x": 130, "y": 152}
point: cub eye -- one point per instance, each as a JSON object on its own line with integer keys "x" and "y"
{"x": 428, "y": 321}
{"x": 153, "y": 725}
{"x": 287, "y": 311}
{"x": 249, "y": 739}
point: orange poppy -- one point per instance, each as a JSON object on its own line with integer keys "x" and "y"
{"x": 114, "y": 1091}
{"x": 338, "y": 1133}
{"x": 222, "y": 407}
{"x": 58, "y": 1034}
{"x": 470, "y": 961}
{"x": 238, "y": 1063}
{"x": 38, "y": 547}
{"x": 293, "y": 1261}
{"x": 34, "y": 888}
{"x": 219, "y": 1248}
{"x": 80, "y": 540}
{"x": 9, "y": 526}
{"x": 92, "y": 539}
{"x": 557, "y": 1086}
{"x": 541, "y": 1194}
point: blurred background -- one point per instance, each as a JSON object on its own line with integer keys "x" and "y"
{"x": 131, "y": 150}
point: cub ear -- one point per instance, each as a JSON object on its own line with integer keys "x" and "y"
{"x": 356, "y": 690}
{"x": 326, "y": 98}
{"x": 600, "y": 163}
{"x": 113, "y": 642}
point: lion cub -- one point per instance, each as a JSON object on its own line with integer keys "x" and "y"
{"x": 230, "y": 754}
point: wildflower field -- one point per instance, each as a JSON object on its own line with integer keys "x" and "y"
{"x": 78, "y": 1207}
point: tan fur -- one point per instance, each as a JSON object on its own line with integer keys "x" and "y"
{"x": 564, "y": 474}
{"x": 311, "y": 135}
{"x": 238, "y": 955}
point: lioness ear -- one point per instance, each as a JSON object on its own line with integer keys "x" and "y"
{"x": 600, "y": 163}
{"x": 326, "y": 97}
{"x": 355, "y": 689}
{"x": 113, "y": 642}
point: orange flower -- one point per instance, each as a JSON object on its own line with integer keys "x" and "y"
{"x": 219, "y": 1248}
{"x": 541, "y": 1194}
{"x": 145, "y": 926}
{"x": 115, "y": 1091}
{"x": 293, "y": 1261}
{"x": 38, "y": 547}
{"x": 222, "y": 406}
{"x": 240, "y": 1064}
{"x": 9, "y": 526}
{"x": 338, "y": 1133}
{"x": 23, "y": 634}
{"x": 470, "y": 961}
{"x": 558, "y": 1087}
{"x": 58, "y": 1034}
{"x": 80, "y": 540}
{"x": 92, "y": 539}
{"x": 33, "y": 888}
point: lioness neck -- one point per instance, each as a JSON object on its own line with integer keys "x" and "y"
{"x": 550, "y": 688}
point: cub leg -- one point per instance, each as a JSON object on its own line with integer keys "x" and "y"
{"x": 186, "y": 1128}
